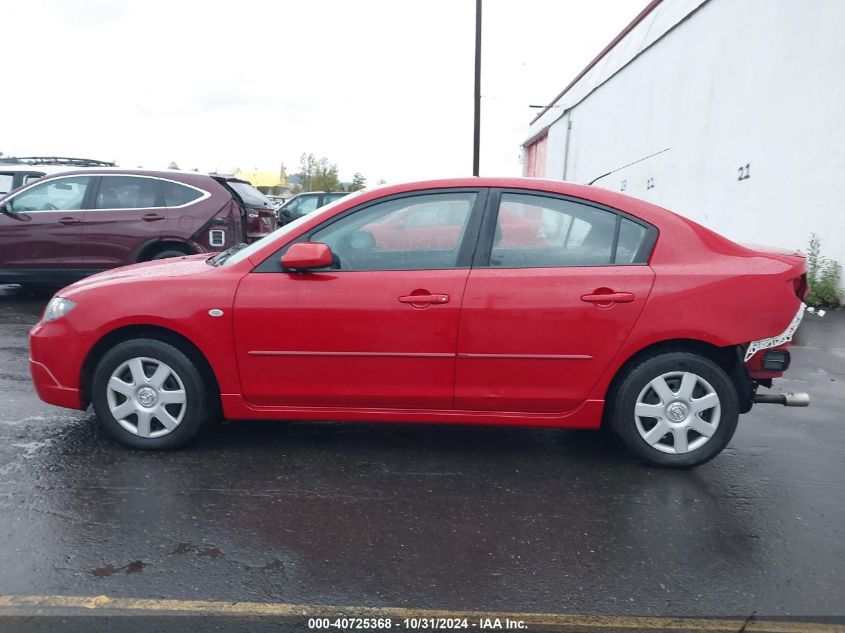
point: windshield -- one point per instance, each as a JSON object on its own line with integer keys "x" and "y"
{"x": 250, "y": 194}
{"x": 279, "y": 234}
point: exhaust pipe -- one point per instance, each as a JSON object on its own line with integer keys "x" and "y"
{"x": 798, "y": 399}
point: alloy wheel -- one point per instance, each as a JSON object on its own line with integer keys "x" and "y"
{"x": 146, "y": 397}
{"x": 677, "y": 412}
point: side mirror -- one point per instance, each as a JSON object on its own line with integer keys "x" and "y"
{"x": 304, "y": 256}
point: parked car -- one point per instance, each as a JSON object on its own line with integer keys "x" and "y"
{"x": 278, "y": 201}
{"x": 470, "y": 301}
{"x": 16, "y": 172}
{"x": 260, "y": 210}
{"x": 66, "y": 226}
{"x": 304, "y": 203}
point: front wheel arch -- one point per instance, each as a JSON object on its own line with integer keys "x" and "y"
{"x": 185, "y": 345}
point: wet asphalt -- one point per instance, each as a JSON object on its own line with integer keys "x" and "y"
{"x": 435, "y": 517}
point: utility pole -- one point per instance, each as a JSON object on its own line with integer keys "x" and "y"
{"x": 476, "y": 143}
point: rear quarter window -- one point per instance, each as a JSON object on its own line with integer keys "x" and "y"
{"x": 178, "y": 195}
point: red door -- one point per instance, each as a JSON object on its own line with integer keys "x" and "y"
{"x": 544, "y": 314}
{"x": 529, "y": 342}
{"x": 348, "y": 339}
{"x": 378, "y": 331}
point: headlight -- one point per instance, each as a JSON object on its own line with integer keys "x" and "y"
{"x": 57, "y": 308}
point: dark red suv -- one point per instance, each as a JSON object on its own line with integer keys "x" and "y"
{"x": 76, "y": 223}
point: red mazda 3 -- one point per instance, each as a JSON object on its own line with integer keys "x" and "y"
{"x": 472, "y": 301}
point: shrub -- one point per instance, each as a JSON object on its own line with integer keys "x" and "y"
{"x": 823, "y": 275}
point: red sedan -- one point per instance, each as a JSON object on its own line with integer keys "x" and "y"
{"x": 470, "y": 301}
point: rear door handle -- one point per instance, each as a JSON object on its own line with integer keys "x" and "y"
{"x": 432, "y": 298}
{"x": 69, "y": 220}
{"x": 152, "y": 217}
{"x": 610, "y": 297}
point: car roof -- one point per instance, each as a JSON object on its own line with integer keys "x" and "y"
{"x": 591, "y": 193}
{"x": 43, "y": 169}
{"x": 167, "y": 174}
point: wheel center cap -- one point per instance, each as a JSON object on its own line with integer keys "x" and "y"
{"x": 676, "y": 411}
{"x": 147, "y": 396}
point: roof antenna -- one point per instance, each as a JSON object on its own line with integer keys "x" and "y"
{"x": 628, "y": 165}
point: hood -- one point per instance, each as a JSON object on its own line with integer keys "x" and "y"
{"x": 189, "y": 265}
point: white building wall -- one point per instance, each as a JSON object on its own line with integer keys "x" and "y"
{"x": 740, "y": 82}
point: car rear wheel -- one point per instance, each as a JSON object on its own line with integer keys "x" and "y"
{"x": 148, "y": 394}
{"x": 168, "y": 253}
{"x": 675, "y": 409}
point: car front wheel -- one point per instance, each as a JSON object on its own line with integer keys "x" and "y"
{"x": 675, "y": 409}
{"x": 148, "y": 394}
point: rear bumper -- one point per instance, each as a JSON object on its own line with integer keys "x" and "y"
{"x": 780, "y": 339}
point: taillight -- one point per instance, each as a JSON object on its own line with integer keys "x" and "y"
{"x": 801, "y": 286}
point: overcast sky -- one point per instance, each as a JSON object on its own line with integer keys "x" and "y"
{"x": 383, "y": 87}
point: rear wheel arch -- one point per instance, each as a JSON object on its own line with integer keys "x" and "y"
{"x": 729, "y": 358}
{"x": 677, "y": 408}
{"x": 149, "y": 251}
{"x": 128, "y": 333}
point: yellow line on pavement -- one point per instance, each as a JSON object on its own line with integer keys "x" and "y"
{"x": 44, "y": 605}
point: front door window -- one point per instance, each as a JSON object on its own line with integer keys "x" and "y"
{"x": 59, "y": 194}
{"x": 411, "y": 233}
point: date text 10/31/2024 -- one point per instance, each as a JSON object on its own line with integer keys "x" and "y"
{"x": 416, "y": 624}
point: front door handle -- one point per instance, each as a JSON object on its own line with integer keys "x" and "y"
{"x": 152, "y": 217}
{"x": 609, "y": 297}
{"x": 69, "y": 220}
{"x": 424, "y": 299}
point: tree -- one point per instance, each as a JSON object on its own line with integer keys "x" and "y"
{"x": 358, "y": 182}
{"x": 307, "y": 167}
{"x": 325, "y": 178}
{"x": 173, "y": 165}
{"x": 317, "y": 174}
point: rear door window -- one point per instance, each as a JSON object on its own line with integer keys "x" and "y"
{"x": 128, "y": 192}
{"x": 538, "y": 231}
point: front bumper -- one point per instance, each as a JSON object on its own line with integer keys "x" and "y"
{"x": 56, "y": 354}
{"x": 49, "y": 389}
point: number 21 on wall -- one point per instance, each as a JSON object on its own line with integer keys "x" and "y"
{"x": 745, "y": 172}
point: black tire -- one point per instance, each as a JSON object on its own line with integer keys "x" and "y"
{"x": 634, "y": 381}
{"x": 199, "y": 407}
{"x": 166, "y": 254}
